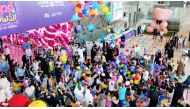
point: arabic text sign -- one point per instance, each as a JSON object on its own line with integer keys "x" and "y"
{"x": 20, "y": 16}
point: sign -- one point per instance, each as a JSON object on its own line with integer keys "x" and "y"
{"x": 20, "y": 16}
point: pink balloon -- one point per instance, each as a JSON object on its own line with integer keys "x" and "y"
{"x": 153, "y": 24}
{"x": 149, "y": 29}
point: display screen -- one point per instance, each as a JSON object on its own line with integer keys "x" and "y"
{"x": 20, "y": 16}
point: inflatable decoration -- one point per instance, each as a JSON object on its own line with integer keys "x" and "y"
{"x": 160, "y": 17}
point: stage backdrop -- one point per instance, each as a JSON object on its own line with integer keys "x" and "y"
{"x": 20, "y": 16}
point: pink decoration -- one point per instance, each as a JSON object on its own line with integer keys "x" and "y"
{"x": 160, "y": 17}
{"x": 165, "y": 30}
{"x": 164, "y": 24}
{"x": 161, "y": 14}
{"x": 114, "y": 78}
{"x": 59, "y": 34}
{"x": 149, "y": 29}
{"x": 153, "y": 23}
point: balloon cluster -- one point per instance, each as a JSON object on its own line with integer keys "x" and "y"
{"x": 90, "y": 8}
{"x": 160, "y": 20}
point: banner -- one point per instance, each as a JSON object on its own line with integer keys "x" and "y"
{"x": 20, "y": 16}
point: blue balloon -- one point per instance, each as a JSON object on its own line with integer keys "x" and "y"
{"x": 90, "y": 27}
{"x": 141, "y": 61}
{"x": 75, "y": 17}
{"x": 84, "y": 11}
{"x": 108, "y": 17}
{"x": 112, "y": 38}
{"x": 86, "y": 7}
{"x": 96, "y": 6}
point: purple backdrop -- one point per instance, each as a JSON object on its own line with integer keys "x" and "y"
{"x": 20, "y": 16}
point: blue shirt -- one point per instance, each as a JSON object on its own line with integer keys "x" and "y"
{"x": 20, "y": 71}
{"x": 122, "y": 93}
{"x": 4, "y": 67}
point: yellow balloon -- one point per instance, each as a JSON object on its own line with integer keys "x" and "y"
{"x": 38, "y": 103}
{"x": 63, "y": 58}
{"x": 92, "y": 12}
{"x": 96, "y": 12}
{"x": 117, "y": 43}
{"x": 77, "y": 9}
{"x": 105, "y": 9}
{"x": 107, "y": 13}
{"x": 78, "y": 67}
{"x": 115, "y": 34}
{"x": 109, "y": 30}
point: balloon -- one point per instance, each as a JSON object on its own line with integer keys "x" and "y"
{"x": 78, "y": 67}
{"x": 77, "y": 9}
{"x": 96, "y": 6}
{"x": 127, "y": 83}
{"x": 101, "y": 2}
{"x": 141, "y": 61}
{"x": 108, "y": 17}
{"x": 84, "y": 12}
{"x": 149, "y": 29}
{"x": 80, "y": 14}
{"x": 131, "y": 81}
{"x": 115, "y": 34}
{"x": 75, "y": 17}
{"x": 78, "y": 5}
{"x": 90, "y": 27}
{"x": 92, "y": 12}
{"x": 90, "y": 2}
{"x": 109, "y": 30}
{"x": 63, "y": 58}
{"x": 78, "y": 28}
{"x": 86, "y": 7}
{"x": 105, "y": 9}
{"x": 112, "y": 38}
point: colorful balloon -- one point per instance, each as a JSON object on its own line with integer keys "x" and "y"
{"x": 80, "y": 14}
{"x": 92, "y": 12}
{"x": 90, "y": 27}
{"x": 78, "y": 5}
{"x": 78, "y": 28}
{"x": 77, "y": 9}
{"x": 84, "y": 12}
{"x": 108, "y": 17}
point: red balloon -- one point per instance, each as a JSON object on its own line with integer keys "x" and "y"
{"x": 85, "y": 1}
{"x": 80, "y": 14}
{"x": 78, "y": 5}
{"x": 127, "y": 50}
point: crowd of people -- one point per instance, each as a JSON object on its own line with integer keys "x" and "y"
{"x": 108, "y": 78}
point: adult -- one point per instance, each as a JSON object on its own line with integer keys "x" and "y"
{"x": 153, "y": 95}
{"x": 178, "y": 93}
{"x": 155, "y": 33}
{"x": 1, "y": 44}
{"x": 7, "y": 53}
{"x": 139, "y": 30}
{"x": 180, "y": 67}
{"x": 28, "y": 52}
{"x": 123, "y": 40}
{"x": 93, "y": 52}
